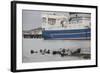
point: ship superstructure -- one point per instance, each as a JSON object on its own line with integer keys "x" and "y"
{"x": 66, "y": 25}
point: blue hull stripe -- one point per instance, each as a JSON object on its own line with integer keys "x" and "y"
{"x": 81, "y": 38}
{"x": 67, "y": 34}
{"x": 66, "y": 31}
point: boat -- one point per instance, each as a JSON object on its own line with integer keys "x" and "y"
{"x": 72, "y": 25}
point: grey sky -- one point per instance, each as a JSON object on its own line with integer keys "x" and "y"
{"x": 31, "y": 19}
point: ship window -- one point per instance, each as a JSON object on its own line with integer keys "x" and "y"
{"x": 51, "y": 21}
{"x": 76, "y": 20}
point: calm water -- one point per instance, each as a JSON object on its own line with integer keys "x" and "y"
{"x": 37, "y": 44}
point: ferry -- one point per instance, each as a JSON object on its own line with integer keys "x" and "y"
{"x": 69, "y": 26}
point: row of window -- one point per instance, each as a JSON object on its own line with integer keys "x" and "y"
{"x": 52, "y": 21}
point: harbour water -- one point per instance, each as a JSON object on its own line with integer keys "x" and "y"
{"x": 37, "y": 44}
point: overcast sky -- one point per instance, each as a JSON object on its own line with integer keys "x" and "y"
{"x": 31, "y": 19}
